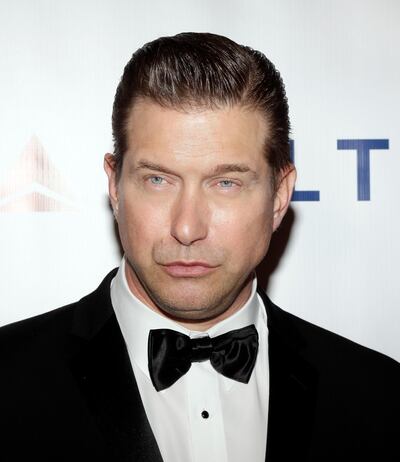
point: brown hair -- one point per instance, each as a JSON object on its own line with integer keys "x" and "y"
{"x": 192, "y": 70}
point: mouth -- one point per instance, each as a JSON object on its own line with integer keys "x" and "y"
{"x": 188, "y": 269}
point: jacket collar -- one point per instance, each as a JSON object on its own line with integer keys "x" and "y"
{"x": 293, "y": 382}
{"x": 103, "y": 372}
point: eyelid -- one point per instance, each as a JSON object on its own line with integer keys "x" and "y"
{"x": 154, "y": 175}
{"x": 162, "y": 175}
{"x": 233, "y": 180}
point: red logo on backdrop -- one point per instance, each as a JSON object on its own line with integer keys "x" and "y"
{"x": 34, "y": 184}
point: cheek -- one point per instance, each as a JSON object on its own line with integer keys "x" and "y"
{"x": 244, "y": 232}
{"x": 141, "y": 226}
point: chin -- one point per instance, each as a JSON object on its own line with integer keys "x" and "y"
{"x": 192, "y": 301}
{"x": 190, "y": 313}
{"x": 186, "y": 303}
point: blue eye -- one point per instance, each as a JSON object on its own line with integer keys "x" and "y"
{"x": 226, "y": 183}
{"x": 156, "y": 180}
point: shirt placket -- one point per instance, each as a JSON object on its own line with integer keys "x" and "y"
{"x": 205, "y": 414}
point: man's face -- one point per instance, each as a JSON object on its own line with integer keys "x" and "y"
{"x": 195, "y": 189}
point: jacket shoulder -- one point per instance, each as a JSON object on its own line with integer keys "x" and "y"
{"x": 52, "y": 327}
{"x": 29, "y": 330}
{"x": 322, "y": 346}
{"x": 355, "y": 390}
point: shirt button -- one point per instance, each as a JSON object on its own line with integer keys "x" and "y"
{"x": 205, "y": 415}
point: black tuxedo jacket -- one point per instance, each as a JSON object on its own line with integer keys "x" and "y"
{"x": 68, "y": 393}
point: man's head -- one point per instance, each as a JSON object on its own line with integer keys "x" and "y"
{"x": 201, "y": 172}
{"x": 201, "y": 70}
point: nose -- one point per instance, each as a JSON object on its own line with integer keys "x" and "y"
{"x": 189, "y": 221}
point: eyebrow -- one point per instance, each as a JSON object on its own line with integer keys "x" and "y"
{"x": 217, "y": 170}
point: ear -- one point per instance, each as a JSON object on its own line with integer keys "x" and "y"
{"x": 110, "y": 169}
{"x": 283, "y": 194}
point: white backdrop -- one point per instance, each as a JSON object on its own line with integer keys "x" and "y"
{"x": 59, "y": 67}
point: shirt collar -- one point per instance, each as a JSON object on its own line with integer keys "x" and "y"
{"x": 136, "y": 319}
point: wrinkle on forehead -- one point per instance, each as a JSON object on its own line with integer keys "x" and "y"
{"x": 226, "y": 135}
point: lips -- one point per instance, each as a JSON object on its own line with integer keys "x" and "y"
{"x": 188, "y": 269}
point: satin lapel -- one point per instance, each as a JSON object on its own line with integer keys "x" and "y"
{"x": 293, "y": 384}
{"x": 104, "y": 374}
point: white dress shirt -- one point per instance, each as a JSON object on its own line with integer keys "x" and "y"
{"x": 236, "y": 427}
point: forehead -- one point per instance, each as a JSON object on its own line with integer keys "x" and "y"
{"x": 190, "y": 137}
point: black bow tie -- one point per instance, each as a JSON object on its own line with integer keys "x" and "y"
{"x": 171, "y": 354}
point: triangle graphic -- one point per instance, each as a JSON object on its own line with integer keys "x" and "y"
{"x": 34, "y": 184}
{"x": 34, "y": 202}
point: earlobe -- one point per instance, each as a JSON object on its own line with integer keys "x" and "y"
{"x": 115, "y": 211}
{"x": 283, "y": 194}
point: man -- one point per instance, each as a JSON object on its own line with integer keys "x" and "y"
{"x": 177, "y": 356}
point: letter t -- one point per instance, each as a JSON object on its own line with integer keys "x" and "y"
{"x": 363, "y": 166}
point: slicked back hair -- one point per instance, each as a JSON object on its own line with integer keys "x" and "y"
{"x": 208, "y": 71}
